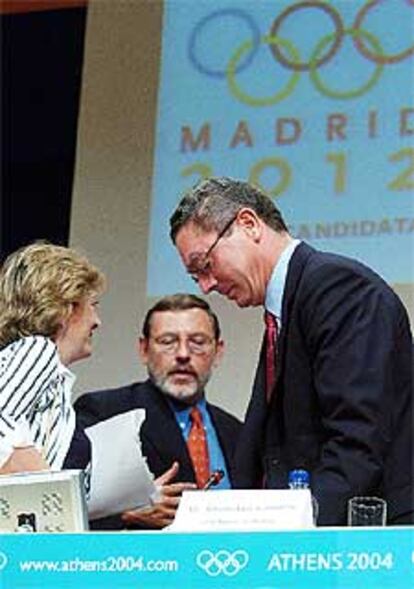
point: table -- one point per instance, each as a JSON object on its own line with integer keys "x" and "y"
{"x": 324, "y": 558}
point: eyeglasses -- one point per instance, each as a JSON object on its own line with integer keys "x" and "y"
{"x": 200, "y": 263}
{"x": 196, "y": 344}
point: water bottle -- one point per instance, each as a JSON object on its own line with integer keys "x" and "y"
{"x": 300, "y": 479}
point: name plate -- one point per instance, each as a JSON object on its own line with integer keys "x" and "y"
{"x": 238, "y": 510}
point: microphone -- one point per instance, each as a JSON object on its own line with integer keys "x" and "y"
{"x": 213, "y": 479}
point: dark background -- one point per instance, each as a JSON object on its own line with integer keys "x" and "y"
{"x": 41, "y": 71}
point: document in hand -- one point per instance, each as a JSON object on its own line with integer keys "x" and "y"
{"x": 119, "y": 478}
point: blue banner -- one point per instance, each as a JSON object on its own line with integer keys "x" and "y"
{"x": 317, "y": 559}
{"x": 312, "y": 101}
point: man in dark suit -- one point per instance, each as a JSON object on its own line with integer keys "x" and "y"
{"x": 180, "y": 345}
{"x": 339, "y": 401}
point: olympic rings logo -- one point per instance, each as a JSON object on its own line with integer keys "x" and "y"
{"x": 3, "y": 560}
{"x": 286, "y": 54}
{"x": 222, "y": 562}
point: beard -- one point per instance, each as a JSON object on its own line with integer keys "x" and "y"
{"x": 186, "y": 392}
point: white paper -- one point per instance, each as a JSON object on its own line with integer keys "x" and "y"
{"x": 237, "y": 510}
{"x": 120, "y": 479}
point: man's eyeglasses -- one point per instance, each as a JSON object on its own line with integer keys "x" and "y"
{"x": 200, "y": 263}
{"x": 196, "y": 344}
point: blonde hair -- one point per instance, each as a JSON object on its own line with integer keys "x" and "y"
{"x": 38, "y": 285}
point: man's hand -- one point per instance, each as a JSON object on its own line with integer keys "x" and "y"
{"x": 24, "y": 459}
{"x": 163, "y": 511}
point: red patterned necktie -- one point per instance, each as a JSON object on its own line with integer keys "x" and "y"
{"x": 198, "y": 449}
{"x": 271, "y": 343}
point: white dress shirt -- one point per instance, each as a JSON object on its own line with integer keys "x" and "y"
{"x": 276, "y": 285}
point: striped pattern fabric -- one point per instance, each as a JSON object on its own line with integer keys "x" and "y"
{"x": 35, "y": 399}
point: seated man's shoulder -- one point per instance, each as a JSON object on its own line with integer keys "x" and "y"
{"x": 226, "y": 416}
{"x": 99, "y": 405}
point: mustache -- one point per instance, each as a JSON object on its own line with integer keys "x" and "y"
{"x": 182, "y": 370}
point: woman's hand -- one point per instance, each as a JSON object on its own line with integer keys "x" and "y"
{"x": 24, "y": 459}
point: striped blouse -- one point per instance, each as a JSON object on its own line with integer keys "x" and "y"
{"x": 35, "y": 400}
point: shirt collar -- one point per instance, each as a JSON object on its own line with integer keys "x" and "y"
{"x": 67, "y": 376}
{"x": 276, "y": 284}
{"x": 182, "y": 412}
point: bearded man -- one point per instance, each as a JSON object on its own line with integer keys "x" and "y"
{"x": 180, "y": 345}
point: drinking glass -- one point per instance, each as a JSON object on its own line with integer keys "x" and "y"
{"x": 367, "y": 511}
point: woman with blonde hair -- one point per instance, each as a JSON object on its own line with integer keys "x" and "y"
{"x": 48, "y": 300}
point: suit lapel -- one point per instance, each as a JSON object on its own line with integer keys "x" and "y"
{"x": 166, "y": 438}
{"x": 295, "y": 270}
{"x": 223, "y": 432}
{"x": 293, "y": 276}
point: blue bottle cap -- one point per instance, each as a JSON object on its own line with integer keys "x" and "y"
{"x": 299, "y": 476}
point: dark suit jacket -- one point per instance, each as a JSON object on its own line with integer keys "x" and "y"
{"x": 342, "y": 403}
{"x": 161, "y": 438}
